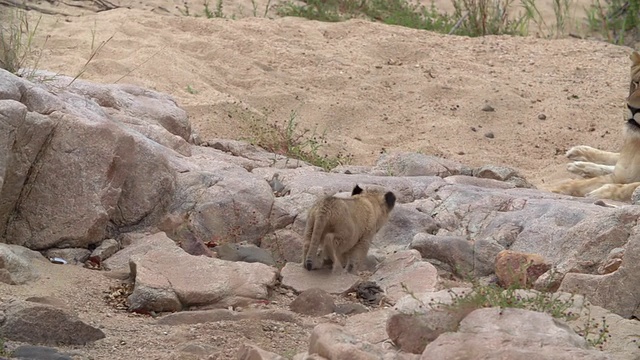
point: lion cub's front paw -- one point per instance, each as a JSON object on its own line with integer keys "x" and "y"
{"x": 580, "y": 152}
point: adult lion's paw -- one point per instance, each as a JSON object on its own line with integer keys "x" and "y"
{"x": 580, "y": 152}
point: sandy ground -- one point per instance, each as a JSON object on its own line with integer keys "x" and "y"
{"x": 372, "y": 87}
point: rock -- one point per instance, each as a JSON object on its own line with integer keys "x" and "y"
{"x": 567, "y": 232}
{"x": 108, "y": 184}
{"x": 412, "y": 332}
{"x": 30, "y": 352}
{"x": 455, "y": 251}
{"x": 285, "y": 245}
{"x": 494, "y": 333}
{"x": 618, "y": 291}
{"x": 405, "y": 221}
{"x": 107, "y": 248}
{"x": 350, "y": 309}
{"x": 479, "y": 182}
{"x": 369, "y": 326}
{"x": 226, "y": 203}
{"x": 421, "y": 303}
{"x": 191, "y": 244}
{"x": 140, "y": 245}
{"x": 416, "y": 164}
{"x": 502, "y": 173}
{"x": 171, "y": 281}
{"x": 252, "y": 352}
{"x": 73, "y": 256}
{"x": 405, "y": 271}
{"x": 17, "y": 264}
{"x": 42, "y": 324}
{"x": 333, "y": 342}
{"x": 195, "y": 351}
{"x": 519, "y": 269}
{"x": 287, "y": 208}
{"x": 299, "y": 279}
{"x": 215, "y": 315}
{"x": 612, "y": 262}
{"x": 314, "y": 302}
{"x": 244, "y": 252}
{"x": 49, "y": 300}
{"x": 488, "y": 108}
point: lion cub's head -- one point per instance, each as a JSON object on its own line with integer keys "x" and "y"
{"x": 386, "y": 200}
{"x": 633, "y": 101}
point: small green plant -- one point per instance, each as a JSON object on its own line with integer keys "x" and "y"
{"x": 216, "y": 13}
{"x": 596, "y": 333}
{"x": 17, "y": 37}
{"x": 3, "y": 348}
{"x": 191, "y": 90}
{"x": 287, "y": 139}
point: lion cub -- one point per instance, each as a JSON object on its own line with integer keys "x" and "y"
{"x": 343, "y": 228}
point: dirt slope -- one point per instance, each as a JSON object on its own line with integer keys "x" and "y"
{"x": 372, "y": 87}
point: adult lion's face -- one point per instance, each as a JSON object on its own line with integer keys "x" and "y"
{"x": 633, "y": 101}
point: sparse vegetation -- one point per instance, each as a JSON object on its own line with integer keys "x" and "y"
{"x": 558, "y": 306}
{"x": 616, "y": 20}
{"x": 286, "y": 138}
{"x": 3, "y": 348}
{"x": 17, "y": 45}
{"x": 471, "y": 17}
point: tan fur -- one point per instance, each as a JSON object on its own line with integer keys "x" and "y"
{"x": 343, "y": 228}
{"x": 607, "y": 183}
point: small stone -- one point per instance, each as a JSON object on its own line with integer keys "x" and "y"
{"x": 542, "y": 116}
{"x": 315, "y": 302}
{"x": 489, "y": 135}
{"x": 488, "y": 108}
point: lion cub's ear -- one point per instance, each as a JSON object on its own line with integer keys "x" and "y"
{"x": 356, "y": 190}
{"x": 390, "y": 200}
{"x": 635, "y": 57}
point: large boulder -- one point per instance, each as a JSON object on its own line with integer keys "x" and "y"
{"x": 495, "y": 333}
{"x": 67, "y": 149}
{"x": 175, "y": 280}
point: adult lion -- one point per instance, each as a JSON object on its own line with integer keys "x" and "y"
{"x": 610, "y": 175}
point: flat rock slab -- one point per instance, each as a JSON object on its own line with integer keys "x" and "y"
{"x": 42, "y": 324}
{"x": 215, "y": 315}
{"x": 173, "y": 281}
{"x": 299, "y": 279}
{"x": 405, "y": 271}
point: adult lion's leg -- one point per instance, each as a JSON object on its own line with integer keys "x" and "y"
{"x": 591, "y": 154}
{"x": 588, "y": 169}
{"x": 581, "y": 187}
{"x": 620, "y": 192}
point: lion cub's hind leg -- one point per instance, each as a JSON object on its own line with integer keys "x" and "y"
{"x": 591, "y": 154}
{"x": 588, "y": 169}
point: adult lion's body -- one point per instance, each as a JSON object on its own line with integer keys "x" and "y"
{"x": 342, "y": 228}
{"x": 610, "y": 175}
